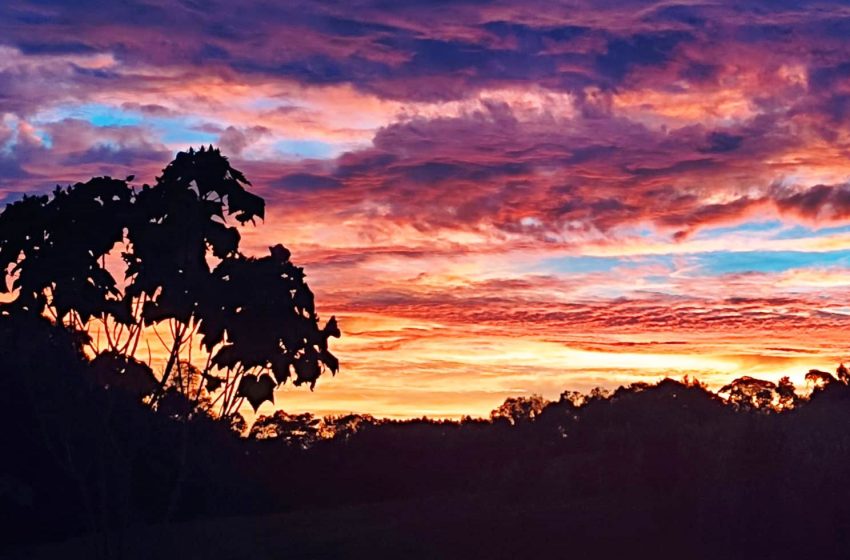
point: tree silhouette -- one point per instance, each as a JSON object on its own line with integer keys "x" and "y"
{"x": 519, "y": 410}
{"x": 786, "y": 393}
{"x": 182, "y": 267}
{"x": 300, "y": 430}
{"x": 260, "y": 315}
{"x": 843, "y": 374}
{"x": 749, "y": 393}
{"x": 54, "y": 249}
{"x": 819, "y": 379}
{"x": 177, "y": 223}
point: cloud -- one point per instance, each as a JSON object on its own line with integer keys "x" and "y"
{"x": 307, "y": 181}
{"x": 234, "y": 141}
{"x": 484, "y": 189}
{"x": 820, "y": 203}
{"x": 70, "y": 150}
{"x": 415, "y": 52}
{"x": 495, "y": 166}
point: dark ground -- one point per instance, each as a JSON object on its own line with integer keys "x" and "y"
{"x": 652, "y": 471}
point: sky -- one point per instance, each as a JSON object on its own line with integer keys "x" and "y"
{"x": 494, "y": 198}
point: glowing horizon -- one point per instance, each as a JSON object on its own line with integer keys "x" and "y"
{"x": 494, "y": 199}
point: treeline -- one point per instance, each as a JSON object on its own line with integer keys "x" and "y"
{"x": 746, "y": 393}
{"x": 758, "y": 470}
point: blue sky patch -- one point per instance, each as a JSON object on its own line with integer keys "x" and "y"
{"x": 768, "y": 261}
{"x": 307, "y": 149}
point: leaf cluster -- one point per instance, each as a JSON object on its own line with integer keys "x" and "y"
{"x": 181, "y": 263}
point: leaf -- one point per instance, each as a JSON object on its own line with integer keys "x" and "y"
{"x": 307, "y": 371}
{"x": 58, "y": 243}
{"x": 121, "y": 310}
{"x": 331, "y": 328}
{"x": 211, "y": 329}
{"x": 257, "y": 390}
{"x": 213, "y": 382}
{"x": 223, "y": 240}
{"x": 279, "y": 253}
{"x": 245, "y": 205}
{"x": 330, "y": 360}
{"x": 226, "y": 357}
{"x": 280, "y": 368}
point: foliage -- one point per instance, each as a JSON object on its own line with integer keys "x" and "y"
{"x": 518, "y": 410}
{"x": 750, "y": 393}
{"x": 182, "y": 268}
{"x": 305, "y": 430}
{"x": 819, "y": 379}
{"x": 294, "y": 429}
{"x": 53, "y": 248}
{"x": 268, "y": 314}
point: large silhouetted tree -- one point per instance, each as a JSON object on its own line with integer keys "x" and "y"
{"x": 182, "y": 267}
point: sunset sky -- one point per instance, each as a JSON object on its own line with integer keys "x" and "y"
{"x": 494, "y": 198}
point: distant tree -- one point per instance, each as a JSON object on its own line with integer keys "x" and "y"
{"x": 519, "y": 410}
{"x": 303, "y": 430}
{"x": 689, "y": 381}
{"x": 343, "y": 427}
{"x": 185, "y": 395}
{"x": 300, "y": 430}
{"x": 819, "y": 379}
{"x": 188, "y": 380}
{"x": 182, "y": 267}
{"x": 843, "y": 374}
{"x": 749, "y": 393}
{"x": 787, "y": 394}
{"x": 597, "y": 394}
{"x": 573, "y": 398}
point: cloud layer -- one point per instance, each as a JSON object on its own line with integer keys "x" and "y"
{"x": 496, "y": 197}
